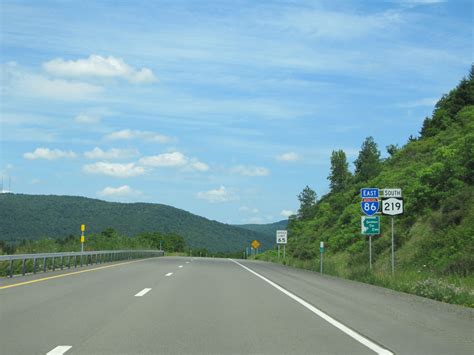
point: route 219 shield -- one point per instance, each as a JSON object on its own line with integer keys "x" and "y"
{"x": 370, "y": 206}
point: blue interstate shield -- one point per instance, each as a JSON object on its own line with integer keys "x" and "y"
{"x": 370, "y": 206}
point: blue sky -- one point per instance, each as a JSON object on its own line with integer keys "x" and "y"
{"x": 226, "y": 109}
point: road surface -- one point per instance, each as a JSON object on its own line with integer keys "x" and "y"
{"x": 179, "y": 305}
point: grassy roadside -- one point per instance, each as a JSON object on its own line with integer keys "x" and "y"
{"x": 449, "y": 289}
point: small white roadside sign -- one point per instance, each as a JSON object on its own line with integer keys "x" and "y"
{"x": 281, "y": 237}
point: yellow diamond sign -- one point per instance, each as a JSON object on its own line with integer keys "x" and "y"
{"x": 255, "y": 244}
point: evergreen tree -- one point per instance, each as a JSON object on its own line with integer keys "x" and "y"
{"x": 340, "y": 175}
{"x": 307, "y": 200}
{"x": 367, "y": 164}
{"x": 392, "y": 149}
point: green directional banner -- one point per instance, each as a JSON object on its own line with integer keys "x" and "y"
{"x": 370, "y": 225}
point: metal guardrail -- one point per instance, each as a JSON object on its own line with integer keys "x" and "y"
{"x": 73, "y": 259}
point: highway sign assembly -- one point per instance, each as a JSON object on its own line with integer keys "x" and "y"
{"x": 370, "y": 225}
{"x": 281, "y": 236}
{"x": 392, "y": 206}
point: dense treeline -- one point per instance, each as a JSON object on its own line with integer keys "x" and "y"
{"x": 35, "y": 217}
{"x": 109, "y": 239}
{"x": 435, "y": 236}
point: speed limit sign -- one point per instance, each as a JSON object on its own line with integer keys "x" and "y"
{"x": 392, "y": 206}
{"x": 281, "y": 237}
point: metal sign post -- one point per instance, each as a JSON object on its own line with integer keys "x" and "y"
{"x": 370, "y": 252}
{"x": 392, "y": 205}
{"x": 393, "y": 250}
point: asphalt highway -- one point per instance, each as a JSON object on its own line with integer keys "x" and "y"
{"x": 180, "y": 305}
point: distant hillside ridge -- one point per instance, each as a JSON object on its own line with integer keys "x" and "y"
{"x": 38, "y": 216}
{"x": 267, "y": 229}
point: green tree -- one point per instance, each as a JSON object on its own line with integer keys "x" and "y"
{"x": 307, "y": 200}
{"x": 367, "y": 164}
{"x": 392, "y": 149}
{"x": 340, "y": 175}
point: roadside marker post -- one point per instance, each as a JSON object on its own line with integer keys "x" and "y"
{"x": 321, "y": 250}
{"x": 83, "y": 228}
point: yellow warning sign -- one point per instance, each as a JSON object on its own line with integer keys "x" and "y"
{"x": 82, "y": 239}
{"x": 255, "y": 244}
{"x": 83, "y": 227}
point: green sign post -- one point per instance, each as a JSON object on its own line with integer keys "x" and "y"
{"x": 370, "y": 225}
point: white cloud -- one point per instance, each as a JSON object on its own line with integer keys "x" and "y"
{"x": 128, "y": 134}
{"x": 173, "y": 159}
{"x": 288, "y": 157}
{"x": 219, "y": 195}
{"x": 37, "y": 85}
{"x": 118, "y": 192}
{"x": 287, "y": 213}
{"x": 98, "y": 66}
{"x": 83, "y": 118}
{"x": 165, "y": 160}
{"x": 249, "y": 210}
{"x": 114, "y": 169}
{"x": 17, "y": 81}
{"x": 48, "y": 154}
{"x": 249, "y": 170}
{"x": 197, "y": 165}
{"x": 113, "y": 153}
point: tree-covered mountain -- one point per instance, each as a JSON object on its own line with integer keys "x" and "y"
{"x": 434, "y": 238}
{"x": 39, "y": 216}
{"x": 267, "y": 229}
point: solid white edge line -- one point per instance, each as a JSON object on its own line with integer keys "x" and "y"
{"x": 180, "y": 266}
{"x": 354, "y": 335}
{"x": 169, "y": 274}
{"x": 59, "y": 350}
{"x": 143, "y": 292}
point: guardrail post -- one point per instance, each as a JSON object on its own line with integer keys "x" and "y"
{"x": 44, "y": 264}
{"x": 54, "y": 266}
{"x": 11, "y": 268}
{"x": 34, "y": 265}
{"x": 81, "y": 260}
{"x": 75, "y": 261}
{"x": 69, "y": 261}
{"x": 62, "y": 265}
{"x": 23, "y": 267}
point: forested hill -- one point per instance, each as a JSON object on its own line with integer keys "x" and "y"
{"x": 435, "y": 235}
{"x": 267, "y": 229}
{"x": 39, "y": 216}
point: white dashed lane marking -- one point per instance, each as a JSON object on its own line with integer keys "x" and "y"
{"x": 143, "y": 292}
{"x": 169, "y": 274}
{"x": 59, "y": 350}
